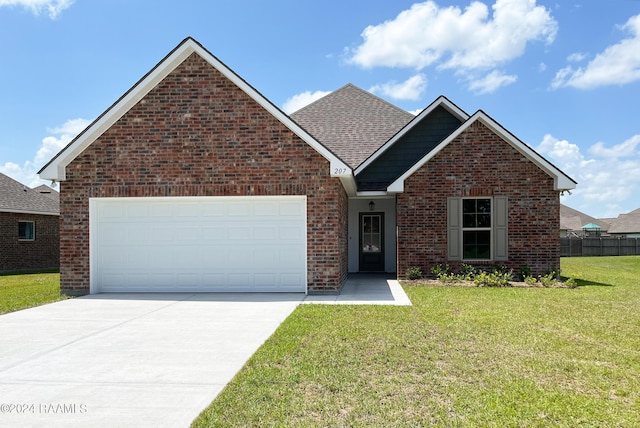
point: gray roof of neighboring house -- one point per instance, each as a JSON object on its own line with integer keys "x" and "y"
{"x": 352, "y": 122}
{"x": 45, "y": 190}
{"x": 571, "y": 219}
{"x": 16, "y": 197}
{"x": 626, "y": 223}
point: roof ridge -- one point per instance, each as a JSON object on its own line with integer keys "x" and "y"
{"x": 351, "y": 85}
{"x": 381, "y": 99}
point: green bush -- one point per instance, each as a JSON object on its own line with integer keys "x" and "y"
{"x": 525, "y": 271}
{"x": 531, "y": 280}
{"x": 414, "y": 273}
{"x": 548, "y": 280}
{"x": 493, "y": 279}
{"x": 467, "y": 272}
{"x": 440, "y": 270}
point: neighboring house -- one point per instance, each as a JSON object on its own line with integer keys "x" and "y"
{"x": 194, "y": 181}
{"x": 45, "y": 190}
{"x": 576, "y": 224}
{"x": 626, "y": 225}
{"x": 29, "y": 228}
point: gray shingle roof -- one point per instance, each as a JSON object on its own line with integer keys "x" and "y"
{"x": 16, "y": 197}
{"x": 47, "y": 191}
{"x": 626, "y": 223}
{"x": 571, "y": 219}
{"x": 352, "y": 122}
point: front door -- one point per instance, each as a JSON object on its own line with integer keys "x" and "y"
{"x": 371, "y": 242}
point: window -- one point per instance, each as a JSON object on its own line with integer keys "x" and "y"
{"x": 477, "y": 228}
{"x": 26, "y": 231}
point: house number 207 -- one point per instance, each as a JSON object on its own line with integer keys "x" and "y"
{"x": 340, "y": 171}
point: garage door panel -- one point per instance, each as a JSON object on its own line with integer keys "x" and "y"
{"x": 239, "y": 233}
{"x": 198, "y": 244}
{"x": 239, "y": 209}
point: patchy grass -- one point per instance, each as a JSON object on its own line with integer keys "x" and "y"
{"x": 21, "y": 291}
{"x": 461, "y": 356}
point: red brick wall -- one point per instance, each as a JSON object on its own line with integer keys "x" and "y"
{"x": 479, "y": 163}
{"x": 43, "y": 253}
{"x": 197, "y": 134}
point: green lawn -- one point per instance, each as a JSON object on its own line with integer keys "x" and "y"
{"x": 461, "y": 356}
{"x": 23, "y": 291}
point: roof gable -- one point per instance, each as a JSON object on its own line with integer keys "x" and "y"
{"x": 18, "y": 198}
{"x": 560, "y": 179}
{"x": 352, "y": 122}
{"x": 55, "y": 168}
{"x": 440, "y": 103}
{"x": 409, "y": 145}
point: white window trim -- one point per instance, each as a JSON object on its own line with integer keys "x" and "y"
{"x": 467, "y": 229}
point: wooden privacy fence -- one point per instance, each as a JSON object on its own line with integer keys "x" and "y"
{"x": 608, "y": 246}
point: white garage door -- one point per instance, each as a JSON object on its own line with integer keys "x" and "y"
{"x": 248, "y": 244}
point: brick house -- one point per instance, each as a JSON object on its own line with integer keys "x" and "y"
{"x": 194, "y": 181}
{"x": 29, "y": 228}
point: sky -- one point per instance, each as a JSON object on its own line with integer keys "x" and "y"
{"x": 563, "y": 76}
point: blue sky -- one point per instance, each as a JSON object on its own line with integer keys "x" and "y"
{"x": 563, "y": 76}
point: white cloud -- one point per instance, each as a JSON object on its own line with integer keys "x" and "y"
{"x": 628, "y": 148}
{"x": 410, "y": 89}
{"x": 618, "y": 64}
{"x": 491, "y": 82}
{"x": 53, "y": 7}
{"x": 450, "y": 38}
{"x": 298, "y": 101}
{"x": 577, "y": 57}
{"x": 27, "y": 173}
{"x": 607, "y": 181}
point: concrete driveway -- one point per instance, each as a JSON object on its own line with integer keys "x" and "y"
{"x": 129, "y": 359}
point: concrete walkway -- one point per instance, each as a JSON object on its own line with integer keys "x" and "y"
{"x": 144, "y": 360}
{"x": 366, "y": 289}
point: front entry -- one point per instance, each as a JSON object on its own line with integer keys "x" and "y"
{"x": 371, "y": 242}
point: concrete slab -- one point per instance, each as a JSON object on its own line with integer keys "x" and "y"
{"x": 365, "y": 289}
{"x": 156, "y": 360}
{"x": 112, "y": 360}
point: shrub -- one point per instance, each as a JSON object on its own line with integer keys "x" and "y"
{"x": 414, "y": 273}
{"x": 467, "y": 272}
{"x": 493, "y": 279}
{"x": 440, "y": 270}
{"x": 571, "y": 283}
{"x": 548, "y": 280}
{"x": 530, "y": 280}
{"x": 525, "y": 271}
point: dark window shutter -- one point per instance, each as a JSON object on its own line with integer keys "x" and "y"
{"x": 454, "y": 229}
{"x": 500, "y": 230}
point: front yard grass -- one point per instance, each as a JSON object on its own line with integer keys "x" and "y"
{"x": 21, "y": 291}
{"x": 461, "y": 356}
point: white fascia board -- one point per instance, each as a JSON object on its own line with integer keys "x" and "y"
{"x": 440, "y": 101}
{"x": 7, "y": 210}
{"x": 55, "y": 169}
{"x": 373, "y": 194}
{"x": 349, "y": 184}
{"x": 560, "y": 179}
{"x": 338, "y": 167}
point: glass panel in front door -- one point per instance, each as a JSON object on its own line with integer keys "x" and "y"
{"x": 371, "y": 233}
